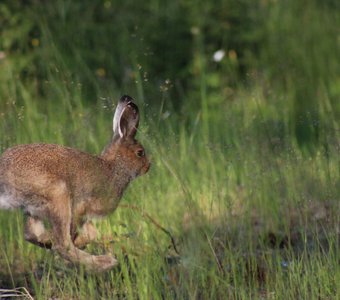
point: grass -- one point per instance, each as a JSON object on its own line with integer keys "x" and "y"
{"x": 252, "y": 214}
{"x": 244, "y": 175}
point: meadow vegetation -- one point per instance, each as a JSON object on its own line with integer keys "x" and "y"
{"x": 245, "y": 146}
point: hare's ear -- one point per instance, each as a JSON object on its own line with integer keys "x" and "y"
{"x": 126, "y": 118}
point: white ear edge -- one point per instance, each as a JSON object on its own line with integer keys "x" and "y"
{"x": 116, "y": 121}
{"x": 117, "y": 116}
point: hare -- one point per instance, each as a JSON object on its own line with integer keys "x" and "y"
{"x": 67, "y": 187}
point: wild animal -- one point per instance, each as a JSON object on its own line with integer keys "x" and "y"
{"x": 67, "y": 187}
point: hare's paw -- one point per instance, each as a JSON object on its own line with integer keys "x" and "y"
{"x": 102, "y": 263}
{"x": 88, "y": 233}
{"x": 36, "y": 233}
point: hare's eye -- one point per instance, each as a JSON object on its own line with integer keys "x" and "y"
{"x": 140, "y": 153}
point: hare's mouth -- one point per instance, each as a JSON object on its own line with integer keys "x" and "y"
{"x": 145, "y": 168}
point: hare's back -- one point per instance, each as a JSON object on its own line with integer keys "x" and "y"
{"x": 36, "y": 160}
{"x": 30, "y": 174}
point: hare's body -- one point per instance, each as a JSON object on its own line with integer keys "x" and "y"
{"x": 44, "y": 169}
{"x": 67, "y": 187}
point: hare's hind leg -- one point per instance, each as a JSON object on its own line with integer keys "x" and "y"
{"x": 36, "y": 233}
{"x": 62, "y": 243}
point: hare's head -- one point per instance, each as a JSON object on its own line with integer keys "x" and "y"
{"x": 124, "y": 150}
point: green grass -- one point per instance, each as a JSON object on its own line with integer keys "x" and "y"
{"x": 245, "y": 166}
{"x": 253, "y": 215}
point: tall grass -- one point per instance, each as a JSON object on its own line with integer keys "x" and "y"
{"x": 254, "y": 214}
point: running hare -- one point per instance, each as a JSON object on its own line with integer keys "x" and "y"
{"x": 66, "y": 187}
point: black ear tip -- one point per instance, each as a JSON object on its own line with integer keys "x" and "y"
{"x": 126, "y": 99}
{"x": 133, "y": 106}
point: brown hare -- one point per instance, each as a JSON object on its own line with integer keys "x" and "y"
{"x": 67, "y": 187}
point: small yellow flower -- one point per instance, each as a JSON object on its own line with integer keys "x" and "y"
{"x": 195, "y": 30}
{"x": 107, "y": 4}
{"x": 100, "y": 72}
{"x": 35, "y": 42}
{"x": 232, "y": 55}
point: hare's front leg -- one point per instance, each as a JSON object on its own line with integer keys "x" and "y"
{"x": 60, "y": 217}
{"x": 88, "y": 233}
{"x": 36, "y": 233}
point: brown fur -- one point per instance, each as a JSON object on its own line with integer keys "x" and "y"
{"x": 67, "y": 187}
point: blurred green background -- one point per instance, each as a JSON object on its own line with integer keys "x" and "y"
{"x": 240, "y": 112}
{"x": 162, "y": 52}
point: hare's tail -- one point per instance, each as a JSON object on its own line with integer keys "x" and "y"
{"x": 7, "y": 199}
